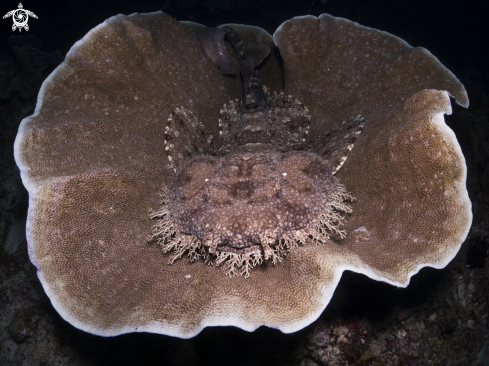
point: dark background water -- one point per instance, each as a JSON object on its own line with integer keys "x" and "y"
{"x": 457, "y": 32}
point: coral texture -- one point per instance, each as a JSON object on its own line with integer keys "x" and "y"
{"x": 93, "y": 160}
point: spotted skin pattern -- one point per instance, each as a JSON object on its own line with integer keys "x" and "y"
{"x": 264, "y": 192}
{"x": 284, "y": 124}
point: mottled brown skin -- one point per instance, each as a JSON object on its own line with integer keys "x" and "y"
{"x": 282, "y": 125}
{"x": 251, "y": 198}
{"x": 265, "y": 190}
{"x": 262, "y": 193}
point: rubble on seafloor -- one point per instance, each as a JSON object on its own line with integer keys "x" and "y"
{"x": 444, "y": 324}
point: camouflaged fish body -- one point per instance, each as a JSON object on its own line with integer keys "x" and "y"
{"x": 265, "y": 190}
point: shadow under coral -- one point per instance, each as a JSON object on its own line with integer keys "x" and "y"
{"x": 355, "y": 297}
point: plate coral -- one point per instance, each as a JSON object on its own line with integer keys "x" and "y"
{"x": 94, "y": 161}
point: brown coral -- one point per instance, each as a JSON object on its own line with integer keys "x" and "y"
{"x": 92, "y": 160}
